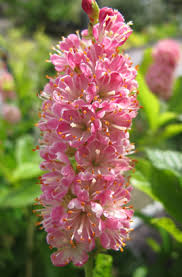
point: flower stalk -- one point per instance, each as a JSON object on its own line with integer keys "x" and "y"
{"x": 89, "y": 266}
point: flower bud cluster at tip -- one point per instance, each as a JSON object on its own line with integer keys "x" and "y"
{"x": 92, "y": 10}
{"x": 86, "y": 115}
{"x": 160, "y": 75}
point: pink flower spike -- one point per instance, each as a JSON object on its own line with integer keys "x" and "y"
{"x": 160, "y": 75}
{"x": 167, "y": 51}
{"x": 85, "y": 121}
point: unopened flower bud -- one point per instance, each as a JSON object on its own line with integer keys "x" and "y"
{"x": 92, "y": 10}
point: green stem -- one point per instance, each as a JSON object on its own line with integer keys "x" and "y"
{"x": 88, "y": 267}
{"x": 90, "y": 30}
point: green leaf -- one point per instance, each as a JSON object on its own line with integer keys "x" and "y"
{"x": 171, "y": 131}
{"x": 154, "y": 245}
{"x": 147, "y": 61}
{"x": 166, "y": 187}
{"x": 166, "y": 117}
{"x": 161, "y": 185}
{"x": 175, "y": 103}
{"x": 26, "y": 171}
{"x": 141, "y": 178}
{"x": 3, "y": 194}
{"x": 139, "y": 181}
{"x": 22, "y": 196}
{"x": 149, "y": 102}
{"x": 168, "y": 225}
{"x": 103, "y": 266}
{"x": 140, "y": 272}
{"x": 24, "y": 153}
{"x": 171, "y": 160}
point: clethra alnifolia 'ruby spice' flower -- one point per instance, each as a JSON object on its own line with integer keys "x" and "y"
{"x": 86, "y": 116}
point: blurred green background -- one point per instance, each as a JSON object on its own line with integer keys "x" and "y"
{"x": 28, "y": 29}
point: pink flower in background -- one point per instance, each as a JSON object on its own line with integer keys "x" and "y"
{"x": 11, "y": 113}
{"x": 160, "y": 79}
{"x": 6, "y": 86}
{"x": 85, "y": 121}
{"x": 160, "y": 75}
{"x": 167, "y": 52}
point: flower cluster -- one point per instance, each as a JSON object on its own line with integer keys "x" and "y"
{"x": 160, "y": 75}
{"x": 85, "y": 121}
{"x": 9, "y": 112}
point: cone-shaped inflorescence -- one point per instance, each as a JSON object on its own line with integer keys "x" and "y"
{"x": 85, "y": 120}
{"x": 161, "y": 74}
